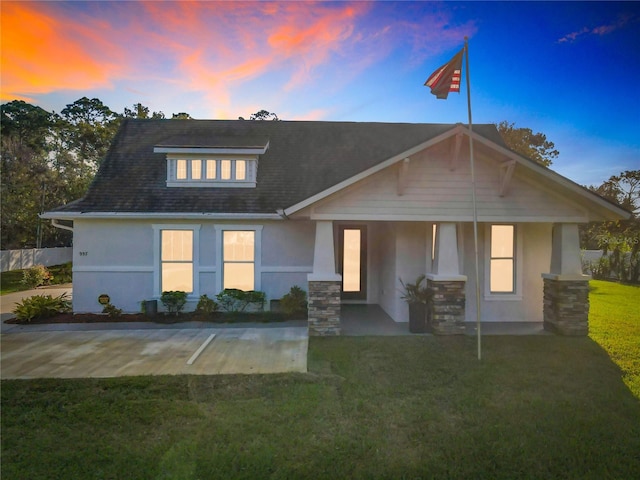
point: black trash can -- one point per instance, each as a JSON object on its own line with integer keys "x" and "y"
{"x": 151, "y": 308}
{"x": 417, "y": 318}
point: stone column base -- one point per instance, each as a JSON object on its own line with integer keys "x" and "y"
{"x": 324, "y": 308}
{"x": 448, "y": 306}
{"x": 566, "y": 306}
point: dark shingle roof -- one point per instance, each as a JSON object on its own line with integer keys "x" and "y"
{"x": 303, "y": 158}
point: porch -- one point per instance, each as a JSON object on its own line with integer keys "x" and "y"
{"x": 371, "y": 320}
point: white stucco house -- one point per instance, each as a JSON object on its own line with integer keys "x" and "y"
{"x": 342, "y": 209}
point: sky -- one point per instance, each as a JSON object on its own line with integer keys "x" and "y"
{"x": 567, "y": 69}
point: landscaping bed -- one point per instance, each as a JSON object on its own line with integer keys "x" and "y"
{"x": 216, "y": 317}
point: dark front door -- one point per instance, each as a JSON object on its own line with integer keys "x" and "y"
{"x": 353, "y": 261}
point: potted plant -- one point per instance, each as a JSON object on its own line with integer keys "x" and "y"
{"x": 418, "y": 296}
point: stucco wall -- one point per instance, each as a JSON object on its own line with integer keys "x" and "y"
{"x": 117, "y": 258}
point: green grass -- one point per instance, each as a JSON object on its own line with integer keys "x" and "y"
{"x": 404, "y": 407}
{"x": 11, "y": 282}
{"x": 614, "y": 322}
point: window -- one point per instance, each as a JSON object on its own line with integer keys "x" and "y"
{"x": 196, "y": 169}
{"x": 181, "y": 173}
{"x": 176, "y": 260}
{"x": 238, "y": 253}
{"x": 502, "y": 259}
{"x": 222, "y": 172}
{"x": 211, "y": 169}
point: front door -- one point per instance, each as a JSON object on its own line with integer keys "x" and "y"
{"x": 353, "y": 261}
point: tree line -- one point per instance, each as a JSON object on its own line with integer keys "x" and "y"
{"x": 49, "y": 159}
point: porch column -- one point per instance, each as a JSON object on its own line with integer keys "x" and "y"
{"x": 566, "y": 289}
{"x": 448, "y": 306}
{"x": 324, "y": 285}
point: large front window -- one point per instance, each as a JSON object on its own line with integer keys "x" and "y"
{"x": 502, "y": 262}
{"x": 238, "y": 254}
{"x": 176, "y": 260}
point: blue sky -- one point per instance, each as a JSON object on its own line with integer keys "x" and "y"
{"x": 567, "y": 69}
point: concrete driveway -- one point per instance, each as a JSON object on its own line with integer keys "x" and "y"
{"x": 120, "y": 349}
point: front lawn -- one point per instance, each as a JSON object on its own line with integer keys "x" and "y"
{"x": 385, "y": 407}
{"x": 11, "y": 281}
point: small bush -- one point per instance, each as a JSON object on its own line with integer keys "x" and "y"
{"x": 111, "y": 310}
{"x": 174, "y": 301}
{"x": 64, "y": 273}
{"x": 35, "y": 276}
{"x": 234, "y": 300}
{"x": 206, "y": 305}
{"x": 294, "y": 302}
{"x": 41, "y": 306}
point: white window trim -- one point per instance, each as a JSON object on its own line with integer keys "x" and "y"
{"x": 157, "y": 263}
{"x": 517, "y": 294}
{"x": 251, "y": 171}
{"x": 257, "y": 267}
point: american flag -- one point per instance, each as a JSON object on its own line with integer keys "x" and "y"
{"x": 446, "y": 78}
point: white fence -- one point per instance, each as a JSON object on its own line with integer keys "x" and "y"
{"x": 19, "y": 259}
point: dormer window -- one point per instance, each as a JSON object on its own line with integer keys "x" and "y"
{"x": 226, "y": 163}
{"x": 211, "y": 170}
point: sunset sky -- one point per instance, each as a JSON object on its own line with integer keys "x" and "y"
{"x": 570, "y": 70}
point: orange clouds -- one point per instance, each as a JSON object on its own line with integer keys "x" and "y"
{"x": 211, "y": 50}
{"x": 41, "y": 53}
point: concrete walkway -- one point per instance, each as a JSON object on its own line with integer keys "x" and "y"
{"x": 74, "y": 350}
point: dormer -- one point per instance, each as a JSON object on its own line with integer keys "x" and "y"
{"x": 218, "y": 162}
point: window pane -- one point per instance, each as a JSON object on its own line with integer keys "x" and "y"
{"x": 502, "y": 276}
{"x": 225, "y": 169}
{"x": 238, "y": 275}
{"x": 351, "y": 261}
{"x": 196, "y": 169}
{"x": 177, "y": 276}
{"x": 177, "y": 245}
{"x": 238, "y": 246}
{"x": 502, "y": 241}
{"x": 241, "y": 170}
{"x": 181, "y": 169}
{"x": 211, "y": 169}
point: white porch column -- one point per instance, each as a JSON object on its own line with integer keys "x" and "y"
{"x": 324, "y": 284}
{"x": 565, "y": 250}
{"x": 446, "y": 264}
{"x": 324, "y": 258}
{"x": 448, "y": 285}
{"x": 566, "y": 289}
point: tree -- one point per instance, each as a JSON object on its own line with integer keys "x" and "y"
{"x": 264, "y": 115}
{"x": 619, "y": 240}
{"x": 181, "y": 116}
{"x": 140, "y": 111}
{"x": 623, "y": 189}
{"x": 90, "y": 128}
{"x": 528, "y": 144}
{"x": 28, "y": 175}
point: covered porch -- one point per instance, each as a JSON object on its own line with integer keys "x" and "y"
{"x": 356, "y": 288}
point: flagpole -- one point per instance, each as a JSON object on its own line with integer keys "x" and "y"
{"x": 473, "y": 193}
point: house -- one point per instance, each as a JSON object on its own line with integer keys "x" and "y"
{"x": 342, "y": 209}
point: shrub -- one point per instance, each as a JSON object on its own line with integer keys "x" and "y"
{"x": 64, "y": 273}
{"x": 35, "y": 276}
{"x": 206, "y": 305}
{"x": 111, "y": 310}
{"x": 234, "y": 300}
{"x": 41, "y": 306}
{"x": 294, "y": 302}
{"x": 174, "y": 301}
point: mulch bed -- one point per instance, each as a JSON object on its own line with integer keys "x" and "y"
{"x": 218, "y": 317}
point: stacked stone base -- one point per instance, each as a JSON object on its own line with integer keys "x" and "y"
{"x": 566, "y": 306}
{"x": 324, "y": 308}
{"x": 448, "y": 307}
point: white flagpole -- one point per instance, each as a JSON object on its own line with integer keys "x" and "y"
{"x": 473, "y": 193}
